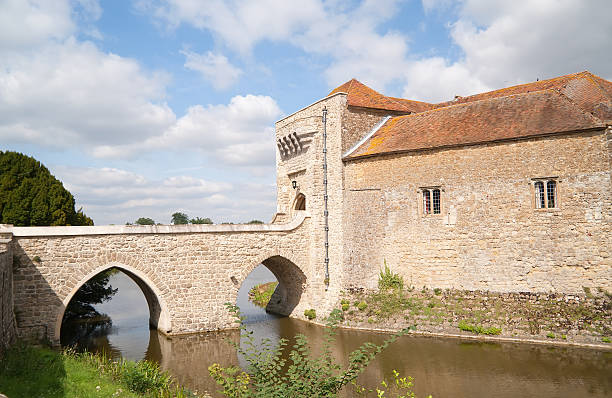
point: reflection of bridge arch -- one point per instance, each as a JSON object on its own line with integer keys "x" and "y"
{"x": 159, "y": 316}
{"x": 291, "y": 281}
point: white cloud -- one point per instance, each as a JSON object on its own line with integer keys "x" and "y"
{"x": 505, "y": 43}
{"x": 215, "y": 68}
{"x": 239, "y": 23}
{"x": 348, "y": 35}
{"x": 62, "y": 93}
{"x": 72, "y": 94}
{"x": 111, "y": 195}
{"x": 239, "y": 133}
{"x": 26, "y": 23}
{"x": 431, "y": 79}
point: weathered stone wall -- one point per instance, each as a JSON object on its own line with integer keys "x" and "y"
{"x": 489, "y": 235}
{"x": 7, "y": 317}
{"x": 189, "y": 272}
{"x": 306, "y": 168}
{"x": 357, "y": 122}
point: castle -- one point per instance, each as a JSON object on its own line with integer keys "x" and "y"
{"x": 508, "y": 190}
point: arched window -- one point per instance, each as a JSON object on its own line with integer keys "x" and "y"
{"x": 431, "y": 201}
{"x": 551, "y": 193}
{"x": 300, "y": 202}
{"x": 539, "y": 195}
{"x": 545, "y": 194}
{"x": 426, "y": 201}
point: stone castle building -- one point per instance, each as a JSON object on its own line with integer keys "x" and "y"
{"x": 508, "y": 190}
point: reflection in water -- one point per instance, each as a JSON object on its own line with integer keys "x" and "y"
{"x": 442, "y": 367}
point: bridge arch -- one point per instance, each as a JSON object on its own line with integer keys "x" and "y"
{"x": 159, "y": 316}
{"x": 291, "y": 281}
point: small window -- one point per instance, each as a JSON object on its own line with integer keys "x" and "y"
{"x": 545, "y": 194}
{"x": 431, "y": 201}
{"x": 426, "y": 201}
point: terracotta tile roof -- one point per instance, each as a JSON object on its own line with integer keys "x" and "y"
{"x": 491, "y": 118}
{"x": 590, "y": 92}
{"x": 362, "y": 96}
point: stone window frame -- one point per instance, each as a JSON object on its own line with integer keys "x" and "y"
{"x": 420, "y": 200}
{"x": 545, "y": 184}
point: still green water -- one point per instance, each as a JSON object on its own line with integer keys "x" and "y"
{"x": 441, "y": 367}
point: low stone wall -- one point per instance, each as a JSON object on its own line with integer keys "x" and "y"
{"x": 568, "y": 318}
{"x": 7, "y": 317}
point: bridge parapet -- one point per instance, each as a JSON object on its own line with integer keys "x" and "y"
{"x": 151, "y": 229}
{"x": 186, "y": 272}
{"x": 6, "y": 236}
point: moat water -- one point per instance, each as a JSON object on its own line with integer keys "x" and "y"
{"x": 441, "y": 367}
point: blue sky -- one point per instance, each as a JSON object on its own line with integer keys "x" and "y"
{"x": 147, "y": 107}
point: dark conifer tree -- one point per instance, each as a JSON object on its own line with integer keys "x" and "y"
{"x": 31, "y": 195}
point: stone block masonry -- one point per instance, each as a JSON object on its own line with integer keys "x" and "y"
{"x": 187, "y": 273}
{"x": 489, "y": 234}
{"x": 7, "y": 317}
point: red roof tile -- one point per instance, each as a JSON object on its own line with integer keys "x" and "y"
{"x": 590, "y": 92}
{"x": 362, "y": 96}
{"x": 491, "y": 118}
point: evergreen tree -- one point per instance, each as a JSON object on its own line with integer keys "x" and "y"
{"x": 31, "y": 195}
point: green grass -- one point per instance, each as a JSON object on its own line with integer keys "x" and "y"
{"x": 260, "y": 295}
{"x": 463, "y": 325}
{"x": 28, "y": 371}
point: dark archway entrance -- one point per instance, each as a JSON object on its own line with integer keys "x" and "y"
{"x": 151, "y": 310}
{"x": 300, "y": 202}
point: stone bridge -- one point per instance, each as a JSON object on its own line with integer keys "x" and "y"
{"x": 186, "y": 272}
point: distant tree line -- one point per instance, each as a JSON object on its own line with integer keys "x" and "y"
{"x": 180, "y": 218}
{"x": 31, "y": 195}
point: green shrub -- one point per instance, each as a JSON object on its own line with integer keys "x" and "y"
{"x": 272, "y": 372}
{"x": 143, "y": 376}
{"x": 345, "y": 307}
{"x": 389, "y": 280}
{"x": 550, "y": 335}
{"x": 437, "y": 291}
{"x": 310, "y": 314}
{"x": 344, "y": 301}
{"x": 362, "y": 305}
{"x": 605, "y": 339}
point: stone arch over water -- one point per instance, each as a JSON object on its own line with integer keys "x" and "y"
{"x": 291, "y": 282}
{"x": 159, "y": 316}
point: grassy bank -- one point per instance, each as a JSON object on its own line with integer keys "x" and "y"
{"x": 260, "y": 295}
{"x": 27, "y": 372}
{"x": 578, "y": 318}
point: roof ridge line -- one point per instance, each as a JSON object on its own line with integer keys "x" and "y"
{"x": 574, "y": 104}
{"x": 522, "y": 84}
{"x": 479, "y": 100}
{"x": 377, "y": 127}
{"x": 603, "y": 92}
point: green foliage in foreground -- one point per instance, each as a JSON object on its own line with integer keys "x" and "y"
{"x": 31, "y": 195}
{"x": 27, "y": 372}
{"x": 270, "y": 375}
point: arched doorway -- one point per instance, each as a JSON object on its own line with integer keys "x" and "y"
{"x": 300, "y": 202}
{"x": 158, "y": 316}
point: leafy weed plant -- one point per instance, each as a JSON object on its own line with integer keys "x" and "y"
{"x": 270, "y": 375}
